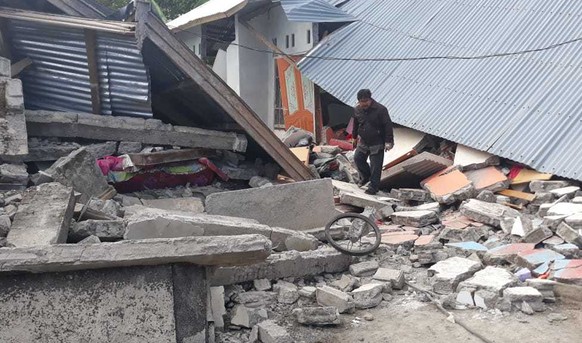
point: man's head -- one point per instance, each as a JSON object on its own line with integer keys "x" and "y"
{"x": 364, "y": 98}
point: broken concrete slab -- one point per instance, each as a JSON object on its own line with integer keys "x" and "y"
{"x": 547, "y": 186}
{"x": 204, "y": 251}
{"x": 449, "y": 186}
{"x": 105, "y": 230}
{"x": 487, "y": 196}
{"x": 362, "y": 200}
{"x": 521, "y": 294}
{"x": 43, "y": 217}
{"x": 491, "y": 278}
{"x": 395, "y": 277}
{"x": 129, "y": 148}
{"x": 287, "y": 264}
{"x": 506, "y": 253}
{"x": 258, "y": 299}
{"x": 188, "y": 204}
{"x": 111, "y": 128}
{"x": 532, "y": 259}
{"x": 575, "y": 221}
{"x": 469, "y": 247}
{"x": 368, "y": 296}
{"x": 449, "y": 273}
{"x": 287, "y": 292}
{"x": 489, "y": 178}
{"x": 485, "y": 299}
{"x": 412, "y": 194}
{"x": 346, "y": 283}
{"x": 248, "y": 317}
{"x": 433, "y": 206}
{"x": 217, "y": 306}
{"x": 270, "y": 332}
{"x": 415, "y": 218}
{"x": 5, "y": 224}
{"x": 328, "y": 296}
{"x": 487, "y": 213}
{"x": 13, "y": 174}
{"x": 80, "y": 171}
{"x": 13, "y": 130}
{"x": 90, "y": 240}
{"x": 311, "y": 206}
{"x": 317, "y": 316}
{"x": 396, "y": 239}
{"x": 569, "y": 234}
{"x": 567, "y": 271}
{"x": 100, "y": 150}
{"x": 471, "y": 159}
{"x": 564, "y": 209}
{"x": 570, "y": 192}
{"x": 262, "y": 284}
{"x": 364, "y": 268}
{"x": 568, "y": 250}
{"x": 538, "y": 235}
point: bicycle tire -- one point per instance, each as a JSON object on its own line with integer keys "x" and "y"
{"x": 348, "y": 252}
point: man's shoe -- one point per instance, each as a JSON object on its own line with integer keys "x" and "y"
{"x": 371, "y": 191}
{"x": 363, "y": 183}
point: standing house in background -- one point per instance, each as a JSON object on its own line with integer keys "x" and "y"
{"x": 254, "y": 44}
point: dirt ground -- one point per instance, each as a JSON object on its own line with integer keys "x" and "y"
{"x": 413, "y": 321}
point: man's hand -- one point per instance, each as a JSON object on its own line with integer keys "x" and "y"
{"x": 388, "y": 146}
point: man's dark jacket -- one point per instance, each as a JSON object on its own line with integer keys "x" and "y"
{"x": 373, "y": 125}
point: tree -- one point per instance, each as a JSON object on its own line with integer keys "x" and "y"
{"x": 171, "y": 8}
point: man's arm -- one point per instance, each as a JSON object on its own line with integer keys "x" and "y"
{"x": 388, "y": 128}
{"x": 355, "y": 129}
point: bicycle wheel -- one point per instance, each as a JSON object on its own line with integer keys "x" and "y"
{"x": 353, "y": 234}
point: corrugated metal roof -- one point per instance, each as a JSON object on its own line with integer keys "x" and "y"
{"x": 59, "y": 76}
{"x": 210, "y": 11}
{"x": 525, "y": 108}
{"x": 317, "y": 11}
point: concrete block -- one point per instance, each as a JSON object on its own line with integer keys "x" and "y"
{"x": 415, "y": 218}
{"x": 317, "y": 316}
{"x": 164, "y": 304}
{"x": 395, "y": 277}
{"x": 492, "y": 279}
{"x": 217, "y": 306}
{"x": 204, "y": 251}
{"x": 13, "y": 174}
{"x": 43, "y": 217}
{"x": 506, "y": 253}
{"x": 80, "y": 171}
{"x": 346, "y": 283}
{"x": 520, "y": 294}
{"x": 362, "y": 200}
{"x": 411, "y": 194}
{"x": 570, "y": 192}
{"x": 5, "y": 225}
{"x": 90, "y": 240}
{"x": 256, "y": 299}
{"x": 487, "y": 196}
{"x": 547, "y": 186}
{"x": 311, "y": 205}
{"x": 449, "y": 273}
{"x": 101, "y": 150}
{"x": 465, "y": 297}
{"x": 368, "y": 296}
{"x": 248, "y": 317}
{"x": 364, "y": 268}
{"x": 287, "y": 292}
{"x": 129, "y": 148}
{"x": 385, "y": 212}
{"x": 328, "y": 296}
{"x": 109, "y": 207}
{"x": 543, "y": 198}
{"x": 538, "y": 235}
{"x": 569, "y": 234}
{"x": 287, "y": 264}
{"x": 575, "y": 221}
{"x": 5, "y": 67}
{"x": 308, "y": 292}
{"x": 190, "y": 204}
{"x": 105, "y": 230}
{"x": 270, "y": 332}
{"x": 262, "y": 284}
{"x": 487, "y": 213}
{"x": 485, "y": 299}
{"x": 13, "y": 131}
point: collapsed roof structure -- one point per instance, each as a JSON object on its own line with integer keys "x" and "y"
{"x": 134, "y": 68}
{"x": 495, "y": 76}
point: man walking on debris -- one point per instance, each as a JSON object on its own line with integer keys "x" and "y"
{"x": 374, "y": 127}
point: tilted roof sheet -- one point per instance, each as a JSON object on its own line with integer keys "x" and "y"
{"x": 523, "y": 107}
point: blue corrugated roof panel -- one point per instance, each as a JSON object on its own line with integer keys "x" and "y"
{"x": 524, "y": 107}
{"x": 317, "y": 11}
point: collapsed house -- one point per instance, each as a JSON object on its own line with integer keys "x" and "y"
{"x": 195, "y": 263}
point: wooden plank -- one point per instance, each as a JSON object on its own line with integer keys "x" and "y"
{"x": 302, "y": 154}
{"x": 401, "y": 159}
{"x": 528, "y": 175}
{"x": 19, "y": 66}
{"x": 67, "y": 21}
{"x": 517, "y": 194}
{"x": 169, "y": 156}
{"x": 149, "y": 26}
{"x": 91, "y": 47}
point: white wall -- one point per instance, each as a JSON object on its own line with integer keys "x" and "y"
{"x": 280, "y": 28}
{"x": 192, "y": 38}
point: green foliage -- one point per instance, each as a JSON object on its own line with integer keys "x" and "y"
{"x": 170, "y": 8}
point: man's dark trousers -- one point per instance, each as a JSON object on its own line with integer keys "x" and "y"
{"x": 372, "y": 172}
